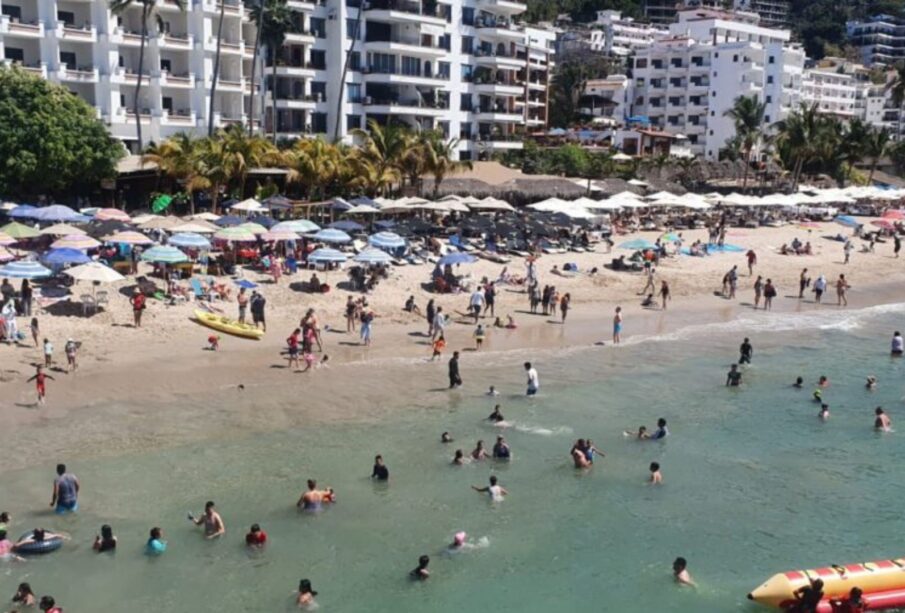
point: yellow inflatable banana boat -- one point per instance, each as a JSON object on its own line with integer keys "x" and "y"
{"x": 227, "y": 325}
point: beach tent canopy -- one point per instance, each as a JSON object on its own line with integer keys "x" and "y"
{"x": 491, "y": 204}
{"x": 254, "y": 228}
{"x": 6, "y": 239}
{"x": 95, "y": 272}
{"x": 161, "y": 223}
{"x": 24, "y": 269}
{"x": 386, "y": 240}
{"x": 373, "y": 257}
{"x": 362, "y": 209}
{"x": 65, "y": 255}
{"x": 263, "y": 220}
{"x": 206, "y": 216}
{"x": 164, "y": 255}
{"x": 277, "y": 203}
{"x": 189, "y": 240}
{"x": 550, "y": 204}
{"x": 326, "y": 255}
{"x": 332, "y": 235}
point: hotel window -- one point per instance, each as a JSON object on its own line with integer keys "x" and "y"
{"x": 467, "y": 16}
{"x": 353, "y": 92}
{"x": 353, "y": 28}
{"x": 353, "y": 122}
{"x": 411, "y": 66}
{"x": 467, "y": 44}
{"x": 318, "y": 27}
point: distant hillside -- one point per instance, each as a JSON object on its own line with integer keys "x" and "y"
{"x": 819, "y": 24}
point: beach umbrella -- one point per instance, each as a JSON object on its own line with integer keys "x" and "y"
{"x": 65, "y": 255}
{"x": 327, "y": 255}
{"x": 129, "y": 238}
{"x": 847, "y": 220}
{"x": 23, "y": 211}
{"x": 386, "y": 240}
{"x": 140, "y": 219}
{"x": 105, "y": 228}
{"x": 248, "y": 205}
{"x": 236, "y": 234}
{"x": 365, "y": 201}
{"x": 457, "y": 258}
{"x": 195, "y": 227}
{"x": 6, "y": 255}
{"x": 62, "y": 229}
{"x": 263, "y": 220}
{"x": 164, "y": 255}
{"x": 75, "y": 241}
{"x": 205, "y": 216}
{"x": 894, "y": 214}
{"x": 6, "y": 239}
{"x": 24, "y": 269}
{"x": 278, "y": 203}
{"x": 808, "y": 225}
{"x": 637, "y": 244}
{"x": 19, "y": 231}
{"x": 94, "y": 272}
{"x": 280, "y": 235}
{"x": 301, "y": 226}
{"x": 254, "y": 228}
{"x": 229, "y": 220}
{"x": 331, "y": 235}
{"x": 339, "y": 204}
{"x": 362, "y": 209}
{"x": 161, "y": 223}
{"x": 491, "y": 204}
{"x": 373, "y": 257}
{"x": 347, "y": 225}
{"x": 189, "y": 240}
{"x": 58, "y": 212}
{"x": 116, "y": 214}
{"x": 882, "y": 223}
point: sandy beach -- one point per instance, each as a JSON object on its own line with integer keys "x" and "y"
{"x": 166, "y": 359}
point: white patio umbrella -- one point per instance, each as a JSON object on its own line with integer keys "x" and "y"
{"x": 248, "y": 205}
{"x": 95, "y": 272}
{"x": 62, "y": 229}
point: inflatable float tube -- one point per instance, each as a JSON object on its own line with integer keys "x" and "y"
{"x": 882, "y": 583}
{"x": 48, "y": 545}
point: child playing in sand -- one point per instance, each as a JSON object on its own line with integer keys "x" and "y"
{"x": 48, "y": 353}
{"x": 40, "y": 378}
{"x": 213, "y": 342}
{"x": 439, "y": 346}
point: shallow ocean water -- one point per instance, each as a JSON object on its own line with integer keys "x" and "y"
{"x": 754, "y": 484}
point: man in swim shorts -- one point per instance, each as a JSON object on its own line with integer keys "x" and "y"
{"x": 734, "y": 378}
{"x": 455, "y": 379}
{"x": 213, "y": 523}
{"x": 533, "y": 381}
{"x": 65, "y": 491}
{"x": 898, "y": 344}
{"x": 746, "y": 352}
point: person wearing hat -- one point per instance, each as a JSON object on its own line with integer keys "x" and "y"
{"x": 458, "y": 541}
{"x": 138, "y": 305}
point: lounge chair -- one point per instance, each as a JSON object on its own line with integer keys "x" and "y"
{"x": 88, "y": 304}
{"x": 102, "y": 299}
{"x": 197, "y": 290}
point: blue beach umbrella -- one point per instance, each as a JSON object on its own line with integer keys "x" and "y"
{"x": 347, "y": 225}
{"x": 330, "y": 235}
{"x": 24, "y": 270}
{"x": 327, "y": 255}
{"x": 164, "y": 255}
{"x": 23, "y": 211}
{"x": 372, "y": 257}
{"x": 230, "y": 220}
{"x": 65, "y": 255}
{"x": 457, "y": 258}
{"x": 189, "y": 240}
{"x": 263, "y": 220}
{"x": 638, "y": 243}
{"x": 58, "y": 213}
{"x": 847, "y": 221}
{"x": 386, "y": 240}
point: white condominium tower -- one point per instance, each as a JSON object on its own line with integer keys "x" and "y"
{"x": 685, "y": 83}
{"x": 464, "y": 67}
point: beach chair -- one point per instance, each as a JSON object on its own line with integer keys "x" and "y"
{"x": 88, "y": 304}
{"x": 197, "y": 290}
{"x": 102, "y": 299}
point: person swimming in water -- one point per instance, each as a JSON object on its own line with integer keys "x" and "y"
{"x": 496, "y": 417}
{"x": 656, "y": 477}
{"x": 662, "y": 431}
{"x": 494, "y": 490}
{"x": 459, "y": 459}
{"x": 479, "y": 453}
{"x": 312, "y": 500}
{"x": 501, "y": 449}
{"x": 871, "y": 383}
{"x": 446, "y": 438}
{"x": 641, "y": 435}
{"x": 799, "y": 383}
{"x": 680, "y": 572}
{"x": 579, "y": 457}
{"x": 824, "y": 412}
{"x": 734, "y": 377}
{"x": 211, "y": 520}
{"x": 458, "y": 541}
{"x": 420, "y": 573}
{"x": 746, "y": 352}
{"x": 823, "y": 381}
{"x": 306, "y": 595}
{"x": 817, "y": 396}
{"x": 492, "y": 391}
{"x": 882, "y": 423}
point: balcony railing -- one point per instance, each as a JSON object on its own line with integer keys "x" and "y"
{"x": 415, "y": 8}
{"x": 397, "y": 71}
{"x": 418, "y": 104}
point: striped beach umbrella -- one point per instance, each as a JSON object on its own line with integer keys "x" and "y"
{"x": 326, "y": 255}
{"x": 302, "y": 226}
{"x": 189, "y": 240}
{"x": 373, "y": 257}
{"x": 24, "y": 269}
{"x": 332, "y": 235}
{"x": 255, "y": 228}
{"x": 129, "y": 238}
{"x": 280, "y": 235}
{"x": 115, "y": 214}
{"x": 75, "y": 241}
{"x": 386, "y": 240}
{"x": 164, "y": 255}
{"x": 235, "y": 234}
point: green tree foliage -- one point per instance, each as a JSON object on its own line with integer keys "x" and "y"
{"x": 51, "y": 141}
{"x": 568, "y": 84}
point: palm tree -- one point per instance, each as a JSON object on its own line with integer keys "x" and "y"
{"x": 375, "y": 178}
{"x": 246, "y": 152}
{"x": 148, "y": 10}
{"x": 748, "y": 115}
{"x": 412, "y": 163}
{"x": 854, "y": 142}
{"x": 276, "y": 20}
{"x": 216, "y": 165}
{"x": 177, "y": 158}
{"x": 875, "y": 147}
{"x": 384, "y": 147}
{"x": 440, "y": 158}
{"x": 896, "y": 89}
{"x": 216, "y": 74}
{"x": 257, "y": 17}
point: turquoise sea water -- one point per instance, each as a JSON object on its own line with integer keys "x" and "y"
{"x": 753, "y": 484}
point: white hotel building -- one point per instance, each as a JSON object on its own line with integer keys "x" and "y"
{"x": 686, "y": 82}
{"x": 463, "y": 67}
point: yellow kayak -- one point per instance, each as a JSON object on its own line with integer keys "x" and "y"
{"x": 225, "y": 324}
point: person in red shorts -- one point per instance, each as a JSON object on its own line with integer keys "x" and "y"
{"x": 40, "y": 379}
{"x": 256, "y": 537}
